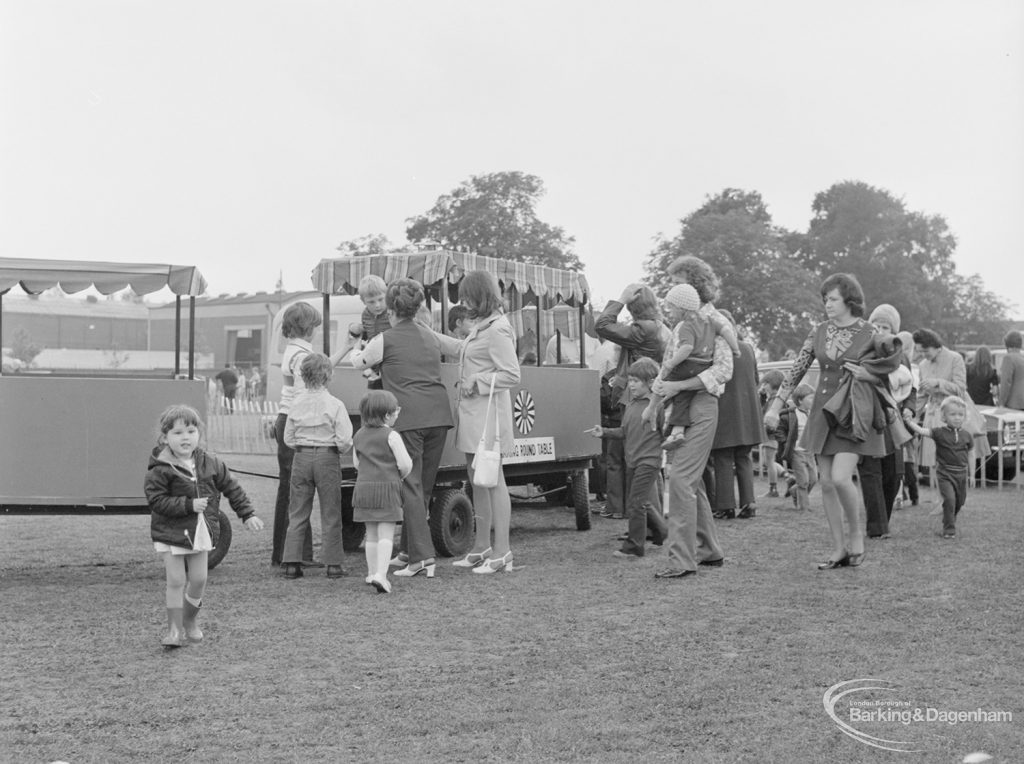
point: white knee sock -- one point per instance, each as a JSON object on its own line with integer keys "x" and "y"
{"x": 371, "y": 547}
{"x": 384, "y": 548}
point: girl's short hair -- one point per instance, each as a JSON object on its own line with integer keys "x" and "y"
{"x": 849, "y": 289}
{"x": 691, "y": 270}
{"x": 773, "y": 378}
{"x": 171, "y": 414}
{"x": 316, "y": 370}
{"x": 479, "y": 292}
{"x": 644, "y": 369}
{"x": 405, "y": 296}
{"x": 801, "y": 392}
{"x": 950, "y": 401}
{"x": 926, "y": 338}
{"x": 371, "y": 286}
{"x": 644, "y": 306}
{"x": 300, "y": 320}
{"x": 375, "y": 406}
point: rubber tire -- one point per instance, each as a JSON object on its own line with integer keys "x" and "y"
{"x": 991, "y": 467}
{"x": 579, "y": 490}
{"x": 452, "y": 522}
{"x": 223, "y": 541}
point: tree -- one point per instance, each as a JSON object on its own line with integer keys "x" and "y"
{"x": 371, "y": 244}
{"x": 762, "y": 283}
{"x": 901, "y": 257}
{"x": 976, "y": 315}
{"x": 23, "y": 348}
{"x": 495, "y": 215}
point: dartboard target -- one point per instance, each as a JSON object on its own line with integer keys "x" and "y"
{"x": 523, "y": 412}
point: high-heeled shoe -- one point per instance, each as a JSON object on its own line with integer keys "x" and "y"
{"x": 399, "y": 560}
{"x": 495, "y": 564}
{"x": 830, "y": 564}
{"x": 473, "y": 559}
{"x": 857, "y": 559}
{"x": 416, "y": 568}
{"x": 381, "y": 584}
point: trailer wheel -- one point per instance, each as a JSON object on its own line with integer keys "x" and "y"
{"x": 223, "y": 541}
{"x": 452, "y": 525}
{"x": 580, "y": 492}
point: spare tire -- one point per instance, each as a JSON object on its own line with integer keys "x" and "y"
{"x": 452, "y": 524}
{"x": 223, "y": 541}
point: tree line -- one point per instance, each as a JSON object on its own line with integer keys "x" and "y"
{"x": 770, "y": 275}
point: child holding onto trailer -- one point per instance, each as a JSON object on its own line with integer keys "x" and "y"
{"x": 690, "y": 352}
{"x": 643, "y": 461}
{"x": 792, "y": 421}
{"x": 319, "y": 431}
{"x": 183, "y": 488}
{"x": 382, "y": 462}
{"x": 952, "y": 448}
{"x": 374, "y": 320}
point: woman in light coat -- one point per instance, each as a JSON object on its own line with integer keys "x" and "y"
{"x": 488, "y": 353}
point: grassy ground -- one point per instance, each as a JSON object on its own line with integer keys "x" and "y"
{"x": 576, "y": 656}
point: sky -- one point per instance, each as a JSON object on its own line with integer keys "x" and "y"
{"x": 249, "y": 138}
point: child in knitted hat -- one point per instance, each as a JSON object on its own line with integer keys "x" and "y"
{"x": 689, "y": 353}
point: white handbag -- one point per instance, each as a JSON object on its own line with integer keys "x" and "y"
{"x": 487, "y": 461}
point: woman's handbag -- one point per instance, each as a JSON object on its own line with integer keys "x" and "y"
{"x": 487, "y": 461}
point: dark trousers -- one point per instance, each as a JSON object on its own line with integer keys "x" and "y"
{"x": 615, "y": 476}
{"x": 424, "y": 446}
{"x": 953, "y": 490}
{"x": 910, "y": 480}
{"x": 284, "y": 479}
{"x": 733, "y": 466}
{"x": 879, "y": 484}
{"x": 644, "y": 516}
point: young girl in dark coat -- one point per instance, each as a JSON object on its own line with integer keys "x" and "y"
{"x": 183, "y": 487}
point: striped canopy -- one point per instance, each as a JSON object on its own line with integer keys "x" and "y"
{"x": 341, "y": 275}
{"x": 35, "y": 276}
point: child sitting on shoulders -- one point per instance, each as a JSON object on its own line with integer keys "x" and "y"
{"x": 690, "y": 352}
{"x": 319, "y": 430}
{"x": 183, "y": 488}
{"x": 643, "y": 461}
{"x": 952, "y": 457}
{"x": 792, "y": 421}
{"x": 382, "y": 461}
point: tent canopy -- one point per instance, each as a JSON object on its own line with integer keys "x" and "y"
{"x": 35, "y": 276}
{"x": 342, "y": 275}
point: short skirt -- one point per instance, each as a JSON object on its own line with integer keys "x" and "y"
{"x": 377, "y": 502}
{"x": 203, "y": 543}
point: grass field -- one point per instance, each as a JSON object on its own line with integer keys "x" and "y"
{"x": 576, "y": 656}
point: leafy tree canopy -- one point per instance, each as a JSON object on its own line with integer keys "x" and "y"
{"x": 371, "y": 244}
{"x": 495, "y": 215}
{"x": 764, "y": 287}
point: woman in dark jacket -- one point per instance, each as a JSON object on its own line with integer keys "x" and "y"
{"x": 739, "y": 429}
{"x": 982, "y": 377}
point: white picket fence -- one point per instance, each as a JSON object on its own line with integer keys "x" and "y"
{"x": 245, "y": 427}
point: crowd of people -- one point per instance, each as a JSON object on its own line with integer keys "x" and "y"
{"x": 682, "y": 409}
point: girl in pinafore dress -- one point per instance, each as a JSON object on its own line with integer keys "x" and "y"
{"x": 382, "y": 461}
{"x": 183, "y": 487}
{"x": 836, "y": 344}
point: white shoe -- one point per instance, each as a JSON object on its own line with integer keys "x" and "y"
{"x": 399, "y": 560}
{"x": 494, "y": 564}
{"x": 369, "y": 579}
{"x": 381, "y": 584}
{"x": 408, "y": 571}
{"x": 473, "y": 559}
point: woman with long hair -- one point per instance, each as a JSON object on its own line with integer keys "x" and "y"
{"x": 982, "y": 378}
{"x": 487, "y": 359}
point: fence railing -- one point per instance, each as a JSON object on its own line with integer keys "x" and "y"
{"x": 241, "y": 426}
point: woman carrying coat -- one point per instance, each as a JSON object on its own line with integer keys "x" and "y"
{"x": 836, "y": 344}
{"x": 487, "y": 356}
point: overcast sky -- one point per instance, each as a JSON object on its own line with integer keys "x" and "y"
{"x": 250, "y": 138}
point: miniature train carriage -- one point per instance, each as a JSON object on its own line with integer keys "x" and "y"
{"x": 552, "y": 405}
